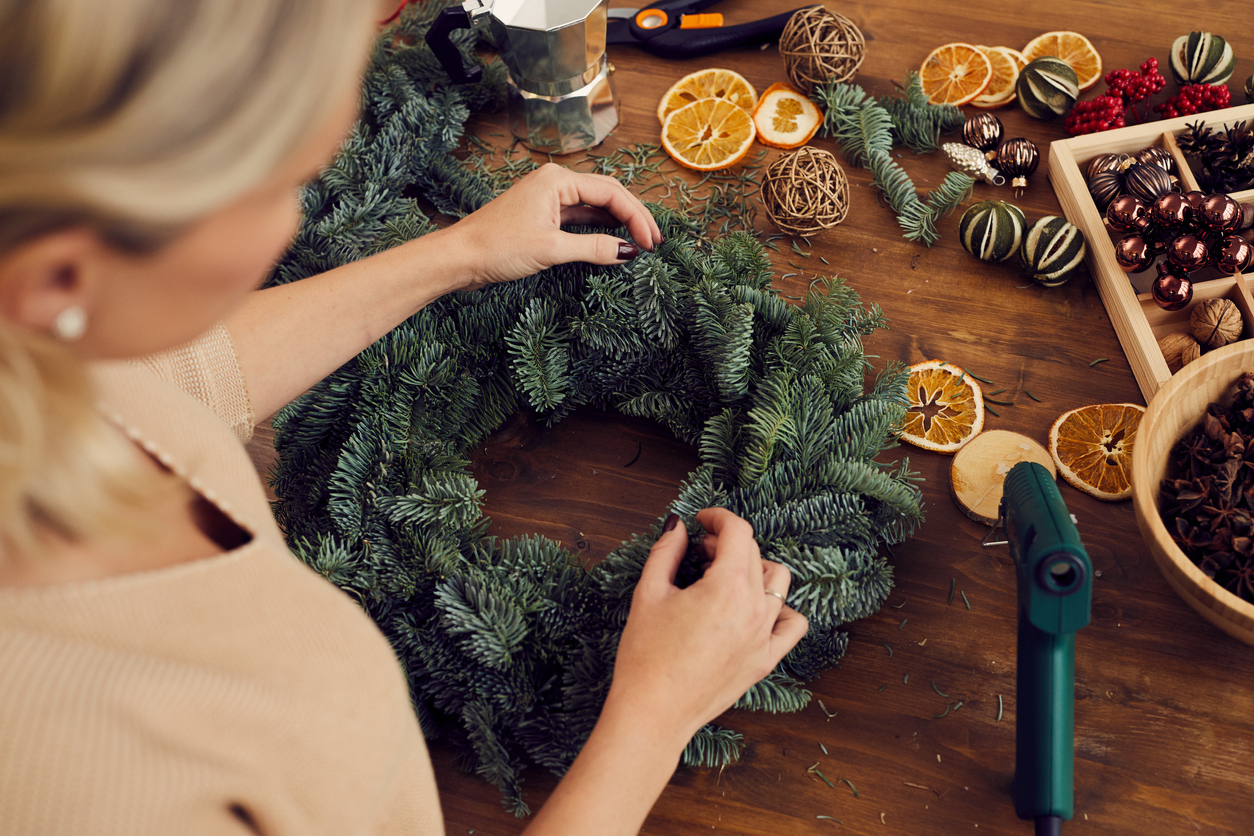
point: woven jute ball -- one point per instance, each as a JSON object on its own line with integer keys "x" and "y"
{"x": 819, "y": 44}
{"x": 805, "y": 192}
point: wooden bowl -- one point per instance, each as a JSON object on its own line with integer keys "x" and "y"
{"x": 1176, "y": 409}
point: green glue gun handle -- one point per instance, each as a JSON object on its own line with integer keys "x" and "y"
{"x": 1055, "y": 596}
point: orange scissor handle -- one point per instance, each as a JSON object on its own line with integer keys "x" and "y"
{"x": 709, "y": 20}
{"x": 651, "y": 18}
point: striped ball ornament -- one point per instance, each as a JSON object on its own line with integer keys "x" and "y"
{"x": 1201, "y": 58}
{"x": 992, "y": 230}
{"x": 1052, "y": 248}
{"x": 1047, "y": 87}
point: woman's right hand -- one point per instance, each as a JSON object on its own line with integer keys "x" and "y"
{"x": 687, "y": 654}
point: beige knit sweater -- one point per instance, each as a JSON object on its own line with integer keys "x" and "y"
{"x": 237, "y": 694}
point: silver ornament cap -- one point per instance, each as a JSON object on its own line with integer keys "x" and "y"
{"x": 971, "y": 161}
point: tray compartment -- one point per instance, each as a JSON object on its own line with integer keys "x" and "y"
{"x": 1138, "y": 322}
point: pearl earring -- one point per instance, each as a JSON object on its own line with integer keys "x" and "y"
{"x": 70, "y": 324}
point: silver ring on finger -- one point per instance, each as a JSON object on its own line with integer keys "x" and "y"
{"x": 776, "y": 594}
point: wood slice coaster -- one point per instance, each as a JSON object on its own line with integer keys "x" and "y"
{"x": 979, "y": 470}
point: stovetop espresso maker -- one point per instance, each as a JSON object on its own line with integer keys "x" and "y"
{"x": 560, "y": 96}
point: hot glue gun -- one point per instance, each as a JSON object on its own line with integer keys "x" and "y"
{"x": 1055, "y": 592}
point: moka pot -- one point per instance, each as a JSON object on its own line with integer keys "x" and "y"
{"x": 560, "y": 96}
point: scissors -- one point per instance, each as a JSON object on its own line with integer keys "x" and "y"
{"x": 676, "y": 29}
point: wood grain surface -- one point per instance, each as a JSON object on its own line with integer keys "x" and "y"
{"x": 1164, "y": 715}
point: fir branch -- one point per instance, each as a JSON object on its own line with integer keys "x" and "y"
{"x": 917, "y": 123}
{"x": 866, "y": 130}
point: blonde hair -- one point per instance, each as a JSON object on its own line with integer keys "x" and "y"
{"x": 135, "y": 118}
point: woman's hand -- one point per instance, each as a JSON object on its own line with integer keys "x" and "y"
{"x": 519, "y": 233}
{"x": 687, "y": 654}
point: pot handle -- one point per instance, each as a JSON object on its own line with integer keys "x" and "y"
{"x": 438, "y": 38}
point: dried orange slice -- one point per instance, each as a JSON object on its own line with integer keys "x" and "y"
{"x": 946, "y": 407}
{"x": 1020, "y": 61}
{"x": 1092, "y": 447}
{"x": 1001, "y": 89}
{"x": 708, "y": 135}
{"x": 785, "y": 117}
{"x": 1071, "y": 47}
{"x": 954, "y": 74}
{"x": 713, "y": 83}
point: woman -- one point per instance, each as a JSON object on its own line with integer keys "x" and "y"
{"x": 165, "y": 665}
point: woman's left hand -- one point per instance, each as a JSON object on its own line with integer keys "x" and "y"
{"x": 519, "y": 233}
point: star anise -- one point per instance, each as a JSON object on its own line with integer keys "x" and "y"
{"x": 1239, "y": 580}
{"x": 1186, "y": 494}
{"x": 1192, "y": 539}
{"x": 1208, "y": 492}
{"x": 1225, "y": 480}
{"x": 1222, "y": 516}
{"x": 1193, "y": 454}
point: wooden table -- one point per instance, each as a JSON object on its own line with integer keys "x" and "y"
{"x": 1164, "y": 718}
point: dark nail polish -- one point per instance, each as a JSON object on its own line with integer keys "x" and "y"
{"x": 627, "y": 251}
{"x": 671, "y": 521}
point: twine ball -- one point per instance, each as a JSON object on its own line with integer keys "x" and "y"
{"x": 805, "y": 192}
{"x": 818, "y": 44}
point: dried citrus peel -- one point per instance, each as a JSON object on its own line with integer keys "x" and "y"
{"x": 708, "y": 135}
{"x": 1071, "y": 47}
{"x": 712, "y": 83}
{"x": 946, "y": 407}
{"x": 785, "y": 117}
{"x": 1092, "y": 447}
{"x": 955, "y": 73}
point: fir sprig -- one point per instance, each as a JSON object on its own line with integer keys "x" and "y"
{"x": 866, "y": 131}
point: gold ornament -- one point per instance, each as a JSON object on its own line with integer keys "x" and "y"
{"x": 1179, "y": 350}
{"x": 819, "y": 45}
{"x": 972, "y": 161}
{"x": 805, "y": 192}
{"x": 1215, "y": 322}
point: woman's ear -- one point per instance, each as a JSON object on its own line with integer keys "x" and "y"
{"x": 42, "y": 278}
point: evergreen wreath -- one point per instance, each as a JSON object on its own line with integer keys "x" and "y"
{"x": 509, "y": 645}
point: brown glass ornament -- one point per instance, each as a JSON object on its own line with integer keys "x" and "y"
{"x": 1156, "y": 155}
{"x": 984, "y": 132}
{"x": 1172, "y": 290}
{"x": 1108, "y": 162}
{"x": 1171, "y": 213}
{"x": 1127, "y": 213}
{"x": 1134, "y": 254}
{"x": 1189, "y": 253}
{"x": 1195, "y": 199}
{"x": 1232, "y": 255}
{"x": 1146, "y": 181}
{"x": 1105, "y": 186}
{"x": 1220, "y": 214}
{"x": 1018, "y": 157}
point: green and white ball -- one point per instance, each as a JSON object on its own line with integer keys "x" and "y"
{"x": 1052, "y": 248}
{"x": 1201, "y": 58}
{"x": 1047, "y": 87}
{"x": 992, "y": 230}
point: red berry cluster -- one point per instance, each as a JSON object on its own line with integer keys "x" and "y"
{"x": 1100, "y": 114}
{"x": 1195, "y": 98}
{"x": 1133, "y": 87}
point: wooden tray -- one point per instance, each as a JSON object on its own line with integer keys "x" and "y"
{"x": 1139, "y": 323}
